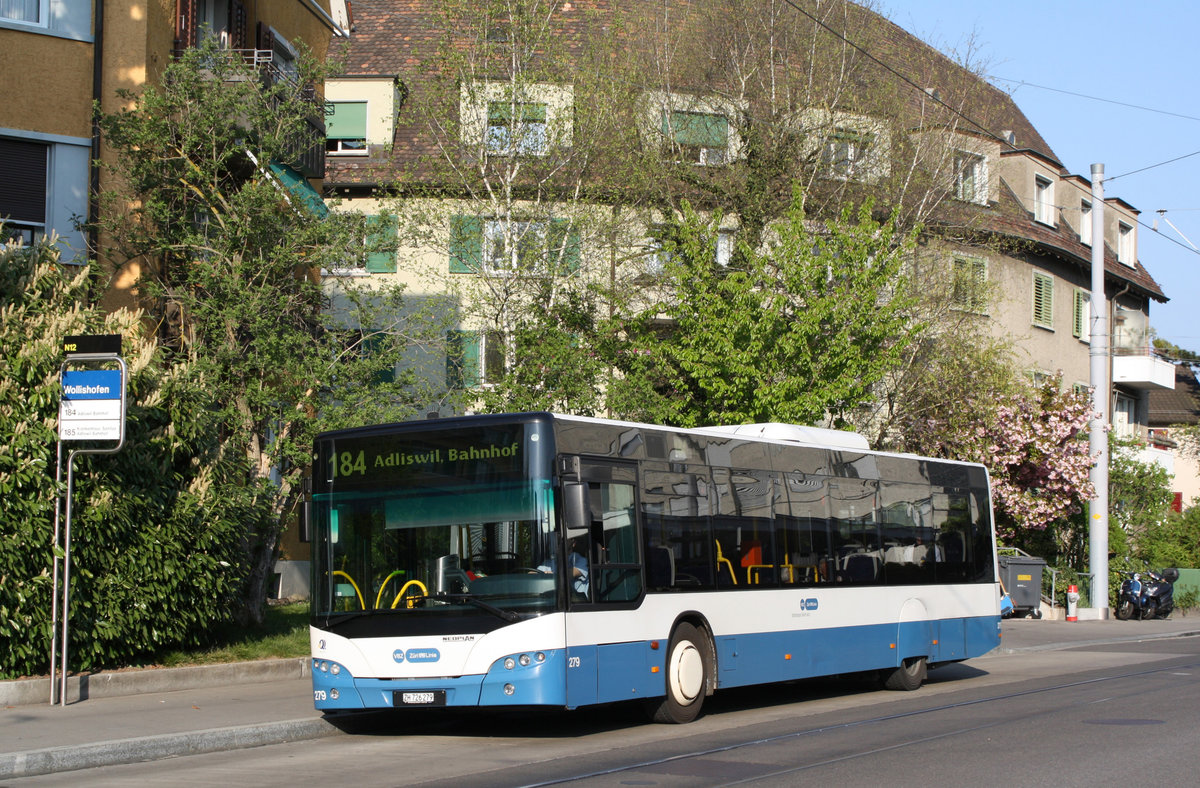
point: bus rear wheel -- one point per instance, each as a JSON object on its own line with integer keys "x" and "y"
{"x": 909, "y": 676}
{"x": 688, "y": 659}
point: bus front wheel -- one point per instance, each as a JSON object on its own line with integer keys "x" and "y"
{"x": 688, "y": 659}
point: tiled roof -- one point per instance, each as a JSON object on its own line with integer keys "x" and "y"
{"x": 394, "y": 38}
{"x": 1180, "y": 405}
{"x": 1008, "y": 217}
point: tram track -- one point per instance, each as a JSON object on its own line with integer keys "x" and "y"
{"x": 1173, "y": 667}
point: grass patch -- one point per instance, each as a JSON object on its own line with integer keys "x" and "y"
{"x": 284, "y": 635}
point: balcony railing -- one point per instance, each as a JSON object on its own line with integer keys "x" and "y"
{"x": 307, "y": 152}
{"x": 1141, "y": 369}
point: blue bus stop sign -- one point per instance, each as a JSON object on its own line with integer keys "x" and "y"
{"x": 92, "y": 405}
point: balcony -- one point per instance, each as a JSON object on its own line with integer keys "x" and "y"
{"x": 306, "y": 153}
{"x": 1155, "y": 455}
{"x": 1141, "y": 371}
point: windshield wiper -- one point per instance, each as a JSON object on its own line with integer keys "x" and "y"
{"x": 471, "y": 599}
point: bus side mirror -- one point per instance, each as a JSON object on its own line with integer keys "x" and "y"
{"x": 305, "y": 515}
{"x": 575, "y": 505}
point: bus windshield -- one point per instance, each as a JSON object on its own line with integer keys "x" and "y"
{"x": 415, "y": 523}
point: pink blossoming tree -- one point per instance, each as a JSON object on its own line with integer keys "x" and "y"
{"x": 1034, "y": 444}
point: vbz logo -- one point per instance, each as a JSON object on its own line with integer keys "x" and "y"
{"x": 808, "y": 604}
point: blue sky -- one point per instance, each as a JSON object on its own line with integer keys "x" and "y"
{"x": 1137, "y": 65}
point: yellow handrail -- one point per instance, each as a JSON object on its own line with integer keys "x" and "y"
{"x": 361, "y": 603}
{"x": 721, "y": 558}
{"x": 403, "y": 588}
{"x": 379, "y": 596}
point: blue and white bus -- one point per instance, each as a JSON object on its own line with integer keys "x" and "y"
{"x": 556, "y": 561}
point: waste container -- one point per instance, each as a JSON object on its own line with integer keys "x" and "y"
{"x": 1022, "y": 578}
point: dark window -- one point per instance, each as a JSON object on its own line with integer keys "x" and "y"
{"x": 855, "y": 531}
{"x": 742, "y": 528}
{"x": 616, "y": 574}
{"x": 24, "y": 166}
{"x": 802, "y": 530}
{"x": 679, "y": 544}
{"x": 910, "y": 548}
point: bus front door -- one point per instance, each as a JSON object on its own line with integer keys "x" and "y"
{"x": 599, "y": 663}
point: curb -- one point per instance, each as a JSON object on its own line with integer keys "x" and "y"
{"x": 1063, "y": 645}
{"x": 111, "y": 753}
{"x": 26, "y": 692}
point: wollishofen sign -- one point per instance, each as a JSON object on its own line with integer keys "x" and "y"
{"x": 91, "y": 406}
{"x": 92, "y": 409}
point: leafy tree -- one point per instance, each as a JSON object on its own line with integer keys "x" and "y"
{"x": 806, "y": 103}
{"x": 799, "y": 330}
{"x": 555, "y": 366}
{"x": 157, "y": 527}
{"x": 1175, "y": 542}
{"x": 1176, "y": 353}
{"x": 230, "y": 255}
{"x": 1139, "y": 492}
{"x": 1140, "y": 507}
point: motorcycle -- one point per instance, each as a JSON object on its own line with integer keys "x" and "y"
{"x": 1151, "y": 596}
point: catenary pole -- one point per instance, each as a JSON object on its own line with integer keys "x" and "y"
{"x": 1098, "y": 433}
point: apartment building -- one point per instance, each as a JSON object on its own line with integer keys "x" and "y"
{"x": 1011, "y": 220}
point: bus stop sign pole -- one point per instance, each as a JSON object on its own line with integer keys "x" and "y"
{"x": 92, "y": 409}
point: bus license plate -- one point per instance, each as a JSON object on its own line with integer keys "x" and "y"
{"x": 426, "y": 698}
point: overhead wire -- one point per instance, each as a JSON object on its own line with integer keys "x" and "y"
{"x": 1023, "y": 83}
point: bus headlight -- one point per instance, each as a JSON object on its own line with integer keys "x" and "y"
{"x": 524, "y": 660}
{"x": 509, "y": 664}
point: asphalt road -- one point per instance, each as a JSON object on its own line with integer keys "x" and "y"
{"x": 1101, "y": 714}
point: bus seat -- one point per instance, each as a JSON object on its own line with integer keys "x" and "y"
{"x": 806, "y": 563}
{"x": 860, "y": 568}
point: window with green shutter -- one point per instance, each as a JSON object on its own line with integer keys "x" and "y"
{"x": 374, "y": 343}
{"x": 505, "y": 247}
{"x": 968, "y": 288}
{"x": 1043, "y": 300}
{"x": 473, "y": 358}
{"x": 702, "y": 137}
{"x": 1081, "y": 312}
{"x": 346, "y": 128}
{"x": 466, "y": 244}
{"x": 462, "y": 359}
{"x": 381, "y": 236}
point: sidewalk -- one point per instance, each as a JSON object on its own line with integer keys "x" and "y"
{"x": 1024, "y": 634}
{"x": 142, "y": 715}
{"x": 133, "y": 716}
